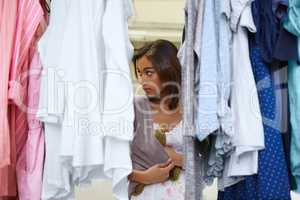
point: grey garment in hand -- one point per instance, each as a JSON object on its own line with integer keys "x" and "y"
{"x": 146, "y": 150}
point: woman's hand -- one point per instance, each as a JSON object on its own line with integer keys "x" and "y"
{"x": 159, "y": 172}
{"x": 176, "y": 157}
{"x": 155, "y": 174}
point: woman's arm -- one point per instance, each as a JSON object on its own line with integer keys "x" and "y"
{"x": 138, "y": 176}
{"x": 155, "y": 174}
{"x": 176, "y": 157}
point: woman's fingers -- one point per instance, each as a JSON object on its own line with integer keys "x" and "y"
{"x": 163, "y": 165}
{"x": 176, "y": 157}
{"x": 170, "y": 167}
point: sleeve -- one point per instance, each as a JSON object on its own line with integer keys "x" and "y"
{"x": 246, "y": 19}
{"x": 238, "y": 7}
{"x": 118, "y": 90}
{"x": 118, "y": 107}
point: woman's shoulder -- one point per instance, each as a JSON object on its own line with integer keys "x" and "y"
{"x": 141, "y": 106}
{"x": 142, "y": 110}
{"x": 140, "y": 100}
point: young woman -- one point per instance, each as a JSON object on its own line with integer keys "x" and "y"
{"x": 159, "y": 73}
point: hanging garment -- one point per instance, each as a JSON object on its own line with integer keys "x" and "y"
{"x": 282, "y": 120}
{"x": 294, "y": 94}
{"x": 8, "y": 18}
{"x": 194, "y": 157}
{"x": 285, "y": 40}
{"x": 207, "y": 108}
{"x": 271, "y": 37}
{"x": 215, "y": 73}
{"x": 56, "y": 177}
{"x": 191, "y": 46}
{"x": 8, "y": 21}
{"x": 57, "y": 184}
{"x": 271, "y": 181}
{"x": 249, "y": 137}
{"x": 293, "y": 26}
{"x": 30, "y": 15}
{"x": 288, "y": 42}
{"x": 86, "y": 99}
{"x": 156, "y": 154}
{"x": 31, "y": 187}
{"x": 279, "y": 7}
{"x": 222, "y": 138}
{"x": 50, "y": 45}
{"x": 248, "y": 128}
{"x": 206, "y": 95}
{"x": 224, "y": 38}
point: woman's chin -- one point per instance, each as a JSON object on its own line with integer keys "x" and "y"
{"x": 153, "y": 98}
{"x": 149, "y": 93}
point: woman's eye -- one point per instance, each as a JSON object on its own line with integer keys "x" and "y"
{"x": 149, "y": 73}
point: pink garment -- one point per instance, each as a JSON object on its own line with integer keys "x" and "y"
{"x": 8, "y": 18}
{"x": 29, "y": 16}
{"x": 32, "y": 156}
{"x": 8, "y": 15}
{"x": 19, "y": 21}
{"x": 31, "y": 189}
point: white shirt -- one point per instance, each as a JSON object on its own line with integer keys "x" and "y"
{"x": 92, "y": 143}
{"x": 248, "y": 126}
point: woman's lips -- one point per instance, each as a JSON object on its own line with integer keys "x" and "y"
{"x": 147, "y": 89}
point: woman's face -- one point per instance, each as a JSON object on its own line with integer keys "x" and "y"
{"x": 148, "y": 77}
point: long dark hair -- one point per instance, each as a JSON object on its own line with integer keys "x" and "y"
{"x": 163, "y": 56}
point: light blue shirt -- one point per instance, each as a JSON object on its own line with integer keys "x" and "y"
{"x": 292, "y": 24}
{"x": 207, "y": 116}
{"x": 214, "y": 114}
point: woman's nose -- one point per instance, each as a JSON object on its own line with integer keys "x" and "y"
{"x": 143, "y": 78}
{"x": 140, "y": 79}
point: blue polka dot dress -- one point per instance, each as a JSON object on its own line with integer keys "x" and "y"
{"x": 271, "y": 182}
